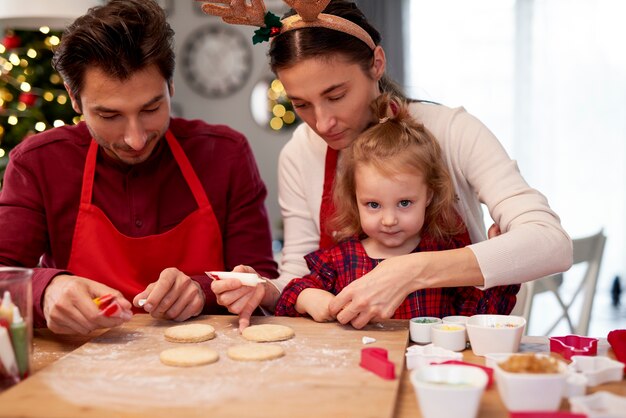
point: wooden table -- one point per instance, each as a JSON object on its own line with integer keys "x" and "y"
{"x": 48, "y": 348}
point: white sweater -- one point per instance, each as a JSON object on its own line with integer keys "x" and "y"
{"x": 533, "y": 243}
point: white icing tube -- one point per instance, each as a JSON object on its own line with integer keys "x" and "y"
{"x": 6, "y": 353}
{"x": 246, "y": 279}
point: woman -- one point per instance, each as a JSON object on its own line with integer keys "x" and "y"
{"x": 332, "y": 72}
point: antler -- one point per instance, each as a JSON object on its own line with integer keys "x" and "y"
{"x": 308, "y": 9}
{"x": 237, "y": 11}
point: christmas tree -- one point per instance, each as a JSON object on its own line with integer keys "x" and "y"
{"x": 32, "y": 97}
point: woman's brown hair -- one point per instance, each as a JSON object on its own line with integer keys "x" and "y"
{"x": 294, "y": 46}
{"x": 120, "y": 38}
{"x": 395, "y": 143}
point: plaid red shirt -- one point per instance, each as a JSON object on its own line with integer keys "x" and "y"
{"x": 334, "y": 268}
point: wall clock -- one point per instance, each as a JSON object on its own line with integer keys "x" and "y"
{"x": 216, "y": 60}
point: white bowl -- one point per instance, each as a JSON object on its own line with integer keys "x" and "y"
{"x": 449, "y": 336}
{"x": 532, "y": 391}
{"x": 449, "y": 391}
{"x": 495, "y": 333}
{"x": 419, "y": 328}
{"x": 456, "y": 319}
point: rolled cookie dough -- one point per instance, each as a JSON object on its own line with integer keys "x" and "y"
{"x": 188, "y": 356}
{"x": 190, "y": 333}
{"x": 255, "y": 352}
{"x": 267, "y": 333}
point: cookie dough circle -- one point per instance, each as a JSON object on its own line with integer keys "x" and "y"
{"x": 255, "y": 352}
{"x": 188, "y": 356}
{"x": 267, "y": 333}
{"x": 190, "y": 333}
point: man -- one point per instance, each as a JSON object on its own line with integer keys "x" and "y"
{"x": 129, "y": 202}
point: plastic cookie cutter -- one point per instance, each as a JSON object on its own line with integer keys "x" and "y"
{"x": 109, "y": 306}
{"x": 246, "y": 279}
{"x": 486, "y": 369}
{"x": 375, "y": 360}
{"x": 597, "y": 370}
{"x": 617, "y": 340}
{"x": 418, "y": 356}
{"x": 574, "y": 345}
{"x": 600, "y": 404}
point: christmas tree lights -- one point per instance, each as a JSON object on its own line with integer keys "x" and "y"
{"x": 32, "y": 97}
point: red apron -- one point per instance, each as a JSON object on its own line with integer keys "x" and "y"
{"x": 101, "y": 253}
{"x": 327, "y": 208}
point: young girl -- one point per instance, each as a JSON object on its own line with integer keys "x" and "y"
{"x": 392, "y": 196}
{"x": 332, "y": 67}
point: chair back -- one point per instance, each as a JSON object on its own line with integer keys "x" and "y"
{"x": 587, "y": 250}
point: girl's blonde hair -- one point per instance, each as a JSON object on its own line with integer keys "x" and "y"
{"x": 395, "y": 143}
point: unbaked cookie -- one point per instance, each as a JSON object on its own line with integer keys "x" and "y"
{"x": 267, "y": 333}
{"x": 255, "y": 352}
{"x": 190, "y": 333}
{"x": 188, "y": 356}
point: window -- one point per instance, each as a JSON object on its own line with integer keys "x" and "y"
{"x": 548, "y": 77}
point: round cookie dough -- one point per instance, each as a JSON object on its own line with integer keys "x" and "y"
{"x": 267, "y": 333}
{"x": 188, "y": 356}
{"x": 255, "y": 352}
{"x": 190, "y": 333}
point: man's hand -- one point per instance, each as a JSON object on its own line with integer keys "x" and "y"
{"x": 173, "y": 296}
{"x": 69, "y": 308}
{"x": 315, "y": 303}
{"x": 243, "y": 300}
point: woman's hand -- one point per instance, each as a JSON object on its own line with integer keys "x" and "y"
{"x": 376, "y": 295}
{"x": 315, "y": 302}
{"x": 243, "y": 300}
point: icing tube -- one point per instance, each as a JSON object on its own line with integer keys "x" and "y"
{"x": 6, "y": 307}
{"x": 19, "y": 339}
{"x": 6, "y": 353}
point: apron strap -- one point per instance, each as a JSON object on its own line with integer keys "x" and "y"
{"x": 185, "y": 166}
{"x": 89, "y": 173}
{"x": 179, "y": 155}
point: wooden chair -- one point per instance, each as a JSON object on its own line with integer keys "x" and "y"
{"x": 587, "y": 250}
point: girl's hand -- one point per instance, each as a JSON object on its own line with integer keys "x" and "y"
{"x": 315, "y": 302}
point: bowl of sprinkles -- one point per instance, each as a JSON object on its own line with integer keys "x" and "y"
{"x": 419, "y": 328}
{"x": 495, "y": 333}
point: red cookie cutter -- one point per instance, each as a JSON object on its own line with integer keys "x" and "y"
{"x": 546, "y": 414}
{"x": 574, "y": 345}
{"x": 617, "y": 340}
{"x": 375, "y": 360}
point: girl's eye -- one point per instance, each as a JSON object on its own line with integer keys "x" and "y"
{"x": 108, "y": 117}
{"x": 335, "y": 98}
{"x": 151, "y": 110}
{"x": 404, "y": 203}
{"x": 298, "y": 105}
{"x": 372, "y": 205}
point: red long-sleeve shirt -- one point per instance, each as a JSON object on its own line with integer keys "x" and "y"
{"x": 40, "y": 196}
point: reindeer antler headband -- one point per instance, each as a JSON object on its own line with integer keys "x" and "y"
{"x": 309, "y": 14}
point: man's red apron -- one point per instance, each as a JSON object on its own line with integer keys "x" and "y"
{"x": 101, "y": 253}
